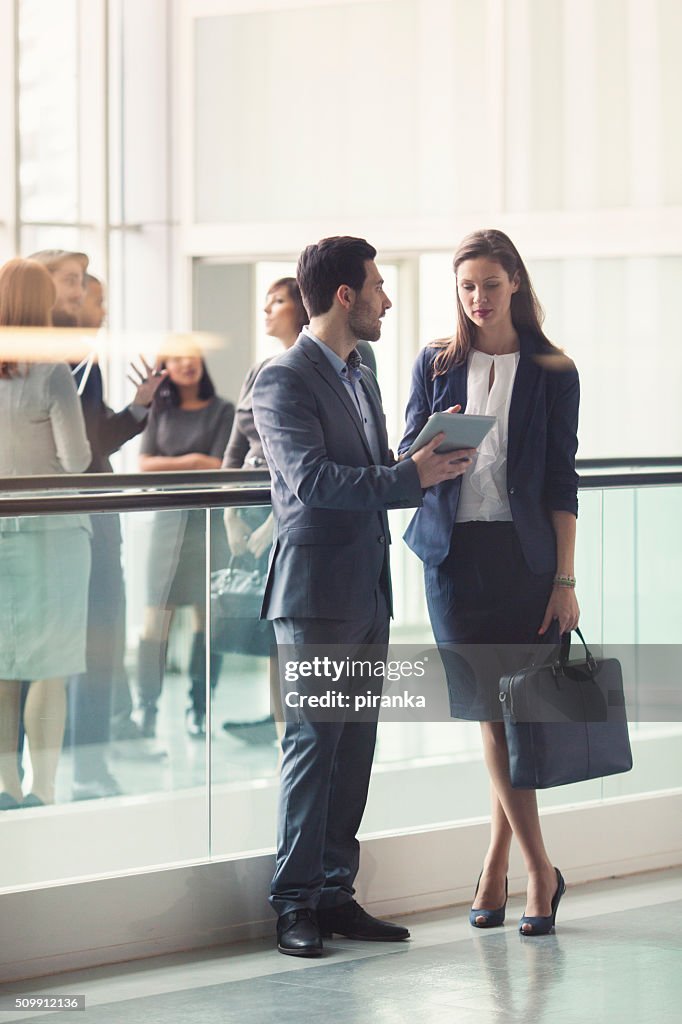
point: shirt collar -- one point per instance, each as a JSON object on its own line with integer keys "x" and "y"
{"x": 346, "y": 370}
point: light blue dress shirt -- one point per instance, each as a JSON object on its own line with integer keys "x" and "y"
{"x": 352, "y": 379}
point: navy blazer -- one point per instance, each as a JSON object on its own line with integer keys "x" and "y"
{"x": 329, "y": 498}
{"x": 107, "y": 430}
{"x": 542, "y": 442}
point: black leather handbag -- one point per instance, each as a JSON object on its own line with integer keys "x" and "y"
{"x": 236, "y": 598}
{"x": 565, "y": 720}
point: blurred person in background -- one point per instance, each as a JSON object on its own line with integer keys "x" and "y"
{"x": 249, "y": 530}
{"x": 188, "y": 429}
{"x": 92, "y": 315}
{"x": 107, "y": 430}
{"x": 81, "y": 294}
{"x": 44, "y": 560}
{"x": 93, "y": 310}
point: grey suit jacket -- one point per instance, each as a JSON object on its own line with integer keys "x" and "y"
{"x": 329, "y": 499}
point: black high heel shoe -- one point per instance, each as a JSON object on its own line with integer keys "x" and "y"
{"x": 493, "y": 918}
{"x": 544, "y": 925}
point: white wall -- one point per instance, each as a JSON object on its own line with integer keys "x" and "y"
{"x": 414, "y": 121}
{"x": 402, "y": 109}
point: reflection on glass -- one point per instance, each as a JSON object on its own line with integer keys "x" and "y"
{"x": 44, "y": 568}
{"x": 425, "y": 773}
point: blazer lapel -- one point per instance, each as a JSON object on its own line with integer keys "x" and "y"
{"x": 329, "y": 375}
{"x": 371, "y": 390}
{"x": 523, "y": 394}
{"x": 455, "y": 392}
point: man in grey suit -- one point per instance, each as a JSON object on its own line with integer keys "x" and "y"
{"x": 319, "y": 415}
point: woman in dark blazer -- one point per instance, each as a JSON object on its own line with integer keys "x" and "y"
{"x": 498, "y": 542}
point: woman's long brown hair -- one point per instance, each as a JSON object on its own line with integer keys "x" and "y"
{"x": 526, "y": 312}
{"x": 27, "y": 295}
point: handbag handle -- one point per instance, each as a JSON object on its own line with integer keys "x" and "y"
{"x": 234, "y": 564}
{"x": 565, "y": 651}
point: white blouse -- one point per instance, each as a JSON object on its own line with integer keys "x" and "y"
{"x": 484, "y": 485}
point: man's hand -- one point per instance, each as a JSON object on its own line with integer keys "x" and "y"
{"x": 401, "y": 458}
{"x": 433, "y": 468}
{"x": 146, "y": 383}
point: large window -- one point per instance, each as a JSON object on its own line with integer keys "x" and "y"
{"x": 93, "y": 169}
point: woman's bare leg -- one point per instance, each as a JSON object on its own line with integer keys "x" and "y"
{"x": 10, "y": 703}
{"x": 521, "y": 811}
{"x": 491, "y": 888}
{"x": 151, "y": 664}
{"x": 199, "y": 618}
{"x": 44, "y": 717}
{"x": 157, "y": 623}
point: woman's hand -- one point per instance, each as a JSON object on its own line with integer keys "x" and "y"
{"x": 261, "y": 538}
{"x": 237, "y": 532}
{"x": 562, "y": 606}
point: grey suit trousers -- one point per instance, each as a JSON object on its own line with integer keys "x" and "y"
{"x": 326, "y": 768}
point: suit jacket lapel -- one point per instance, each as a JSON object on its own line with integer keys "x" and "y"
{"x": 369, "y": 386}
{"x": 329, "y": 375}
{"x": 525, "y": 384}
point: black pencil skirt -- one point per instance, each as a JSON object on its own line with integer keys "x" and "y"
{"x": 486, "y": 607}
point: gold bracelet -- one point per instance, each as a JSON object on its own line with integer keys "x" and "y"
{"x": 562, "y": 580}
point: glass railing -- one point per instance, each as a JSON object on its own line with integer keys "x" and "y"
{"x": 169, "y": 751}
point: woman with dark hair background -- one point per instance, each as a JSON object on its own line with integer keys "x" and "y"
{"x": 498, "y": 542}
{"x": 249, "y": 530}
{"x": 188, "y": 429}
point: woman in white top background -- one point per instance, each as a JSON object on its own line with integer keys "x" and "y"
{"x": 44, "y": 560}
{"x": 498, "y": 542}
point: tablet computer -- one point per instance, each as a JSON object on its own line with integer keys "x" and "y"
{"x": 461, "y": 431}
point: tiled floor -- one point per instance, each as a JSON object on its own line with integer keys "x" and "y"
{"x": 615, "y": 956}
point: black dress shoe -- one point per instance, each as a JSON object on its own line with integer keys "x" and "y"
{"x": 124, "y": 728}
{"x": 99, "y": 786}
{"x": 195, "y": 723}
{"x": 351, "y": 920}
{"x": 261, "y": 732}
{"x": 298, "y": 933}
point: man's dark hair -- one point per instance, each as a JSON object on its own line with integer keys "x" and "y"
{"x": 324, "y": 267}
